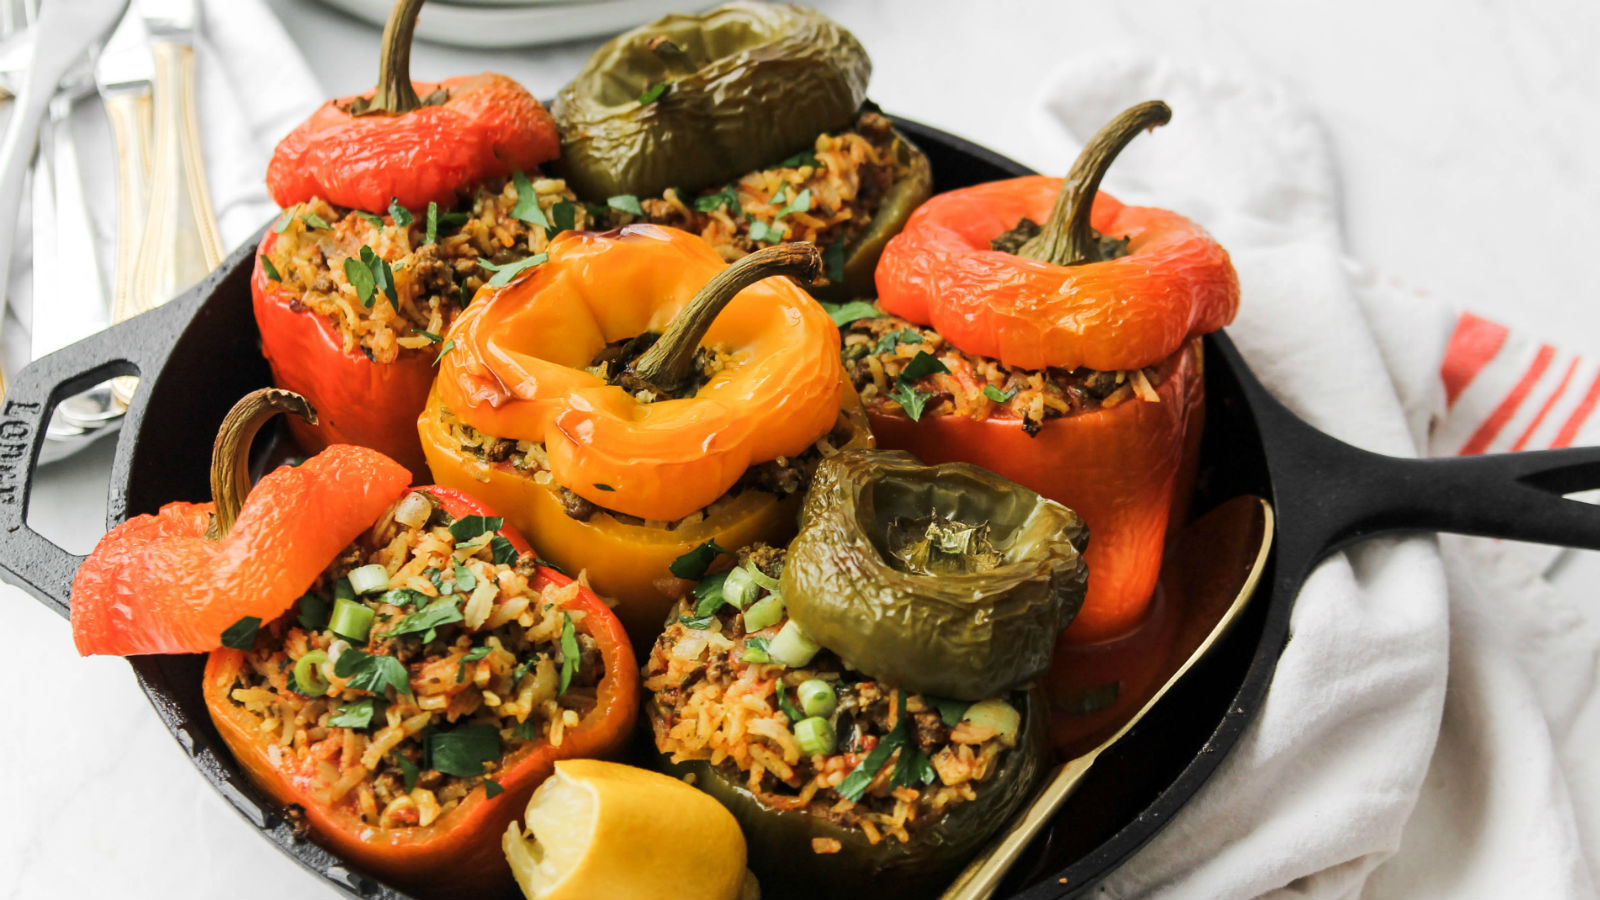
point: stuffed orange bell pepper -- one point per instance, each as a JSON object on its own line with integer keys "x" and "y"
{"x": 397, "y": 670}
{"x": 1065, "y": 357}
{"x": 635, "y": 399}
{"x": 399, "y": 203}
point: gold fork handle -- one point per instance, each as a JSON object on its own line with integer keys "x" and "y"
{"x": 129, "y": 114}
{"x": 981, "y": 877}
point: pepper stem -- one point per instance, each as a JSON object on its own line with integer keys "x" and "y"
{"x": 667, "y": 364}
{"x": 395, "y": 95}
{"x": 230, "y": 455}
{"x": 1067, "y": 239}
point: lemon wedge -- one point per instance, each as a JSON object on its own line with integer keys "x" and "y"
{"x": 601, "y": 829}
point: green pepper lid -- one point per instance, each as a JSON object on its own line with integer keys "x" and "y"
{"x": 745, "y": 84}
{"x": 947, "y": 580}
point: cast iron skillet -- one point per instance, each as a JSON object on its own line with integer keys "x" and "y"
{"x": 199, "y": 353}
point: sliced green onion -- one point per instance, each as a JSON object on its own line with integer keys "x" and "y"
{"x": 755, "y": 651}
{"x": 342, "y": 590}
{"x": 350, "y": 620}
{"x": 815, "y": 736}
{"x": 996, "y": 714}
{"x": 369, "y": 579}
{"x": 308, "y": 678}
{"x": 764, "y": 613}
{"x": 817, "y": 697}
{"x": 739, "y": 588}
{"x": 760, "y": 577}
{"x": 792, "y": 647}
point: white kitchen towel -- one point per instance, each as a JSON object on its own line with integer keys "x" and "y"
{"x": 251, "y": 87}
{"x": 1345, "y": 768}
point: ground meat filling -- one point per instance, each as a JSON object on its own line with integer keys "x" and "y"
{"x": 716, "y": 697}
{"x": 877, "y": 352}
{"x": 461, "y": 665}
{"x": 827, "y": 195}
{"x": 431, "y": 279}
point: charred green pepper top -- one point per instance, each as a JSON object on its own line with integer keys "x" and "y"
{"x": 781, "y": 841}
{"x": 696, "y": 100}
{"x": 947, "y": 580}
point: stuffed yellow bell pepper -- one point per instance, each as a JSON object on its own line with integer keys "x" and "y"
{"x": 633, "y": 398}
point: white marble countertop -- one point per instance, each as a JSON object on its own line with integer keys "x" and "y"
{"x": 1466, "y": 144}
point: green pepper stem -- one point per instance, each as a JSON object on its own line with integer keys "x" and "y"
{"x": 230, "y": 455}
{"x": 675, "y": 58}
{"x": 395, "y": 95}
{"x": 1067, "y": 239}
{"x": 666, "y": 365}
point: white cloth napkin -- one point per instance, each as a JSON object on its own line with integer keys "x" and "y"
{"x": 1345, "y": 784}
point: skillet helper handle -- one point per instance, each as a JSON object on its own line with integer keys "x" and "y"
{"x": 27, "y": 558}
{"x": 180, "y": 243}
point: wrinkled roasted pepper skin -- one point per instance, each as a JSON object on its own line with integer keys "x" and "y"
{"x": 779, "y": 841}
{"x": 766, "y": 80}
{"x": 459, "y": 854}
{"x": 157, "y": 584}
{"x": 1174, "y": 283}
{"x": 626, "y": 563}
{"x": 1124, "y": 469}
{"x": 489, "y": 127}
{"x": 962, "y": 636}
{"x": 358, "y": 401}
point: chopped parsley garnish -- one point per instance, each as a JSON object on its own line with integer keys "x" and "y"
{"x": 569, "y": 652}
{"x": 756, "y": 650}
{"x": 408, "y": 771}
{"x": 799, "y": 204}
{"x": 761, "y": 231}
{"x": 803, "y": 158}
{"x": 241, "y": 635}
{"x": 270, "y": 269}
{"x": 845, "y": 313}
{"x": 653, "y": 93}
{"x": 374, "y": 221}
{"x": 502, "y": 551}
{"x": 429, "y": 335}
{"x": 921, "y": 366}
{"x": 463, "y": 751}
{"x": 360, "y": 278}
{"x": 400, "y": 214}
{"x": 788, "y": 707}
{"x": 370, "y": 274}
{"x": 528, "y": 730}
{"x": 709, "y": 595}
{"x": 492, "y": 788}
{"x": 432, "y": 234}
{"x": 527, "y": 208}
{"x": 726, "y": 197}
{"x": 627, "y": 203}
{"x": 426, "y": 621}
{"x": 316, "y": 222}
{"x": 894, "y": 339}
{"x": 465, "y": 580}
{"x": 780, "y": 196}
{"x": 910, "y": 399}
{"x": 372, "y": 674}
{"x": 950, "y": 711}
{"x": 833, "y": 261}
{"x": 471, "y": 656}
{"x": 314, "y": 609}
{"x": 912, "y": 766}
{"x": 282, "y": 224}
{"x": 603, "y": 487}
{"x": 354, "y": 715}
{"x": 519, "y": 671}
{"x": 504, "y": 274}
{"x": 698, "y": 623}
{"x": 469, "y": 528}
{"x": 403, "y": 597}
{"x": 997, "y": 395}
{"x": 693, "y": 565}
{"x": 564, "y": 217}
{"x": 448, "y": 346}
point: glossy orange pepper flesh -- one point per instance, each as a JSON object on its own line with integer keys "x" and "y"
{"x": 489, "y": 127}
{"x": 358, "y": 401}
{"x": 516, "y": 371}
{"x": 1124, "y": 469}
{"x": 156, "y": 584}
{"x": 1125, "y": 313}
{"x": 459, "y": 854}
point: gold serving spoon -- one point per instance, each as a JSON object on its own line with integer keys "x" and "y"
{"x": 1222, "y": 556}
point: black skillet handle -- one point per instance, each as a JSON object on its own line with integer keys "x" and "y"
{"x": 1336, "y": 494}
{"x": 138, "y": 346}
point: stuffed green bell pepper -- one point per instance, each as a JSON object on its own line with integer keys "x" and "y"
{"x": 843, "y": 784}
{"x": 746, "y": 125}
{"x": 947, "y": 579}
